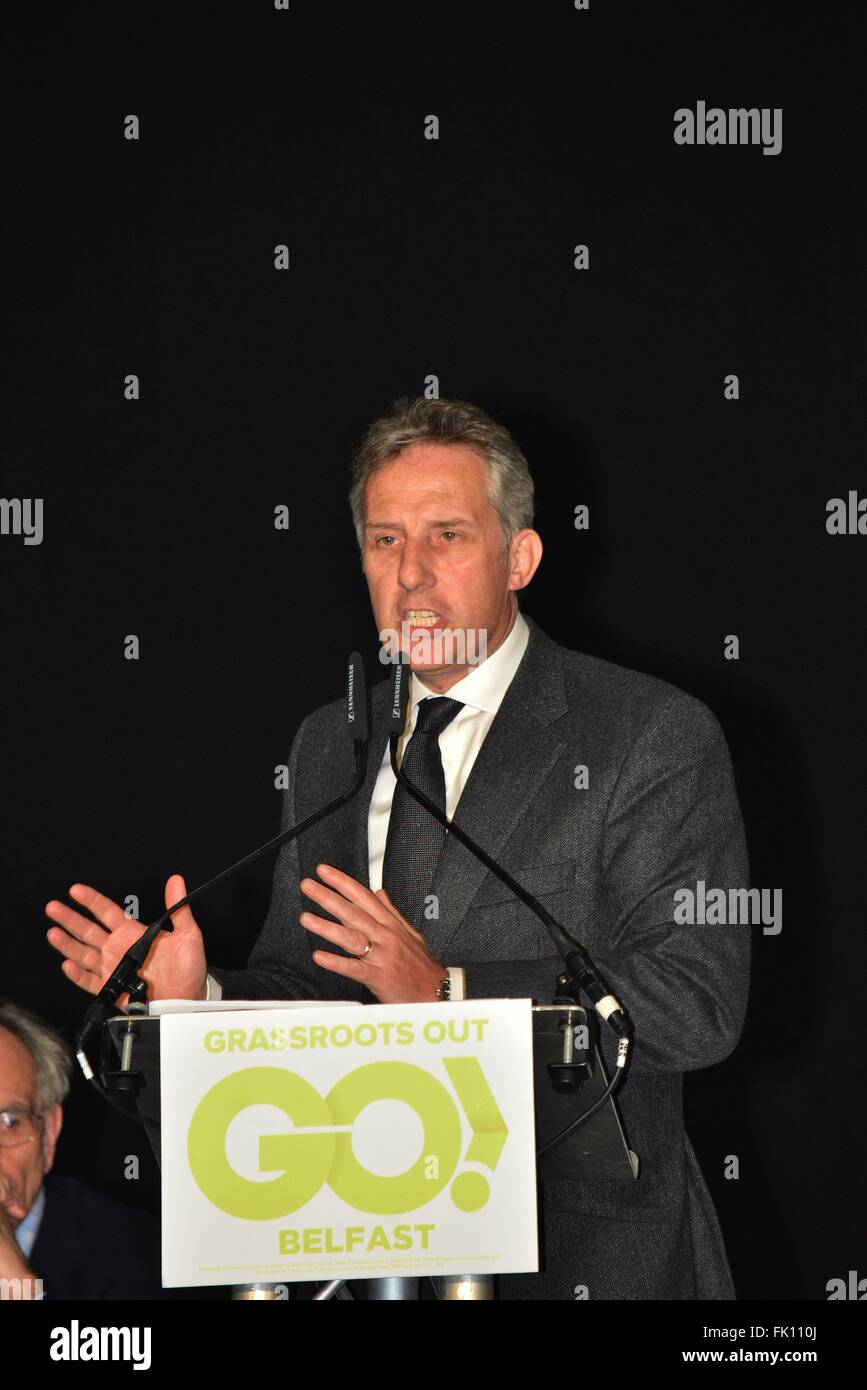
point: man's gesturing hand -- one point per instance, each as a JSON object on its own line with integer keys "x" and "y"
{"x": 398, "y": 968}
{"x": 175, "y": 967}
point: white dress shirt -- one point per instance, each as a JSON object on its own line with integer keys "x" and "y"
{"x": 481, "y": 693}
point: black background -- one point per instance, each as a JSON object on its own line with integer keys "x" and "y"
{"x": 453, "y": 257}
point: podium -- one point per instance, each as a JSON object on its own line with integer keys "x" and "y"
{"x": 526, "y": 1123}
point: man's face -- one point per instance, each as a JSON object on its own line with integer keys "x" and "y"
{"x": 23, "y": 1167}
{"x": 433, "y": 553}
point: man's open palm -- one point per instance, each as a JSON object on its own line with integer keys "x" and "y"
{"x": 175, "y": 967}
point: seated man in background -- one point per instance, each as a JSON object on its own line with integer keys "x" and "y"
{"x": 58, "y": 1238}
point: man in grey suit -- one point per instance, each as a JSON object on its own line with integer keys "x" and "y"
{"x": 603, "y": 791}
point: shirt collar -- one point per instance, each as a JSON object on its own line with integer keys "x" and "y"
{"x": 485, "y": 685}
{"x": 28, "y": 1229}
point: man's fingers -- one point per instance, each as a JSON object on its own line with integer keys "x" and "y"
{"x": 109, "y": 913}
{"x": 348, "y": 913}
{"x": 340, "y": 886}
{"x": 89, "y": 981}
{"x": 85, "y": 979}
{"x": 86, "y": 957}
{"x": 352, "y": 939}
{"x": 82, "y": 928}
{"x": 341, "y": 965}
{"x": 176, "y": 889}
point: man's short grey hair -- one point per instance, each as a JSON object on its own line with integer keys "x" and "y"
{"x": 417, "y": 420}
{"x": 52, "y": 1059}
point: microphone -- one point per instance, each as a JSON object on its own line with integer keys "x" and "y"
{"x": 581, "y": 971}
{"x": 125, "y": 979}
{"x": 399, "y": 695}
{"x": 356, "y": 700}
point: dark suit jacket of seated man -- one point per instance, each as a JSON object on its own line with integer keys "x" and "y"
{"x": 659, "y": 814}
{"x": 89, "y": 1246}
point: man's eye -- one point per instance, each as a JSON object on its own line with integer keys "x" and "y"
{"x": 384, "y": 538}
{"x": 449, "y": 533}
{"x": 9, "y": 1120}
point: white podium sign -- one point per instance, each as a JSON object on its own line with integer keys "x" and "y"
{"x": 359, "y": 1142}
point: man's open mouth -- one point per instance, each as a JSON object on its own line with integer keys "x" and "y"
{"x": 421, "y": 617}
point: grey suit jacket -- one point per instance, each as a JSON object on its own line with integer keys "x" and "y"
{"x": 660, "y": 813}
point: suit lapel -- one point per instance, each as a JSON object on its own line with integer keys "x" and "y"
{"x": 513, "y": 763}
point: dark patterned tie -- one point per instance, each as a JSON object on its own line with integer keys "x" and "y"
{"x": 414, "y": 839}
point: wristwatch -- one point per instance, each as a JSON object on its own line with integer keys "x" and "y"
{"x": 444, "y": 988}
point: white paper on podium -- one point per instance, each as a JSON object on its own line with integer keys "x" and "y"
{"x": 358, "y": 1142}
{"x": 160, "y": 1007}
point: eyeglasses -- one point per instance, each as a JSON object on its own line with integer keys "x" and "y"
{"x": 19, "y": 1127}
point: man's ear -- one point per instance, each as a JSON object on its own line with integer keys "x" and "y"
{"x": 525, "y": 555}
{"x": 51, "y": 1126}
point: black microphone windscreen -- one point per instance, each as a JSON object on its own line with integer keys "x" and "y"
{"x": 356, "y": 699}
{"x": 399, "y": 695}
